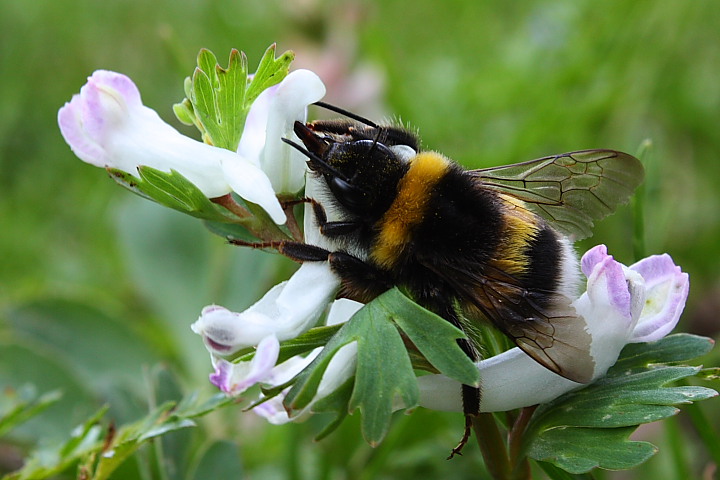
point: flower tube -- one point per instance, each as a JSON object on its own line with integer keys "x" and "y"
{"x": 622, "y": 305}
{"x": 287, "y": 310}
{"x": 107, "y": 125}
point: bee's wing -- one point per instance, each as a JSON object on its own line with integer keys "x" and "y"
{"x": 554, "y": 335}
{"x": 569, "y": 190}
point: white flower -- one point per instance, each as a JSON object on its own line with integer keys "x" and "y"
{"x": 235, "y": 378}
{"x": 340, "y": 368}
{"x": 286, "y": 311}
{"x": 622, "y": 305}
{"x": 107, "y": 125}
{"x": 270, "y": 119}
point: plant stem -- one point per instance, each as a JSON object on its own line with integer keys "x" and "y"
{"x": 638, "y": 205}
{"x": 705, "y": 428}
{"x": 292, "y": 223}
{"x": 230, "y": 204}
{"x": 492, "y": 446}
{"x": 518, "y": 460}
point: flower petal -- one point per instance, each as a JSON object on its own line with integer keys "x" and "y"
{"x": 667, "y": 289}
{"x": 235, "y": 378}
{"x": 592, "y": 257}
{"x": 273, "y": 410}
{"x": 339, "y": 369}
{"x": 287, "y": 310}
{"x": 509, "y": 380}
{"x": 107, "y": 125}
{"x": 251, "y": 183}
{"x": 271, "y": 119}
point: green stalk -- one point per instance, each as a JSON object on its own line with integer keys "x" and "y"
{"x": 705, "y": 430}
{"x": 516, "y": 437}
{"x": 676, "y": 441}
{"x": 492, "y": 446}
{"x": 638, "y": 205}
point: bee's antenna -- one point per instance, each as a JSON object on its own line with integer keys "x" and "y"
{"x": 344, "y": 112}
{"x": 315, "y": 158}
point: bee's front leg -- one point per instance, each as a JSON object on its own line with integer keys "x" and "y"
{"x": 296, "y": 251}
{"x": 331, "y": 229}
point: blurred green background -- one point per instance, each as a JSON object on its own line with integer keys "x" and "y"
{"x": 98, "y": 287}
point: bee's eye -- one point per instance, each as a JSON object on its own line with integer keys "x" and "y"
{"x": 347, "y": 194}
{"x": 371, "y": 146}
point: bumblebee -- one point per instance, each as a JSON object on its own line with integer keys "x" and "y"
{"x": 491, "y": 244}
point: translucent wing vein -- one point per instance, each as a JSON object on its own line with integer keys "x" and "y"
{"x": 569, "y": 190}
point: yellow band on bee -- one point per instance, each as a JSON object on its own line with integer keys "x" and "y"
{"x": 521, "y": 227}
{"x": 409, "y": 207}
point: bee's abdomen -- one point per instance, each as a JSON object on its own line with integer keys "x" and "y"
{"x": 531, "y": 252}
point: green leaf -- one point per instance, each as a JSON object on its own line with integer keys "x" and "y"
{"x": 17, "y": 406}
{"x": 271, "y": 71}
{"x": 174, "y": 191}
{"x": 579, "y": 450}
{"x": 219, "y": 99}
{"x": 556, "y": 473}
{"x": 166, "y": 418}
{"x": 379, "y": 345}
{"x": 336, "y": 404}
{"x": 674, "y": 348}
{"x": 384, "y": 372}
{"x": 433, "y": 336}
{"x": 588, "y": 428}
{"x": 130, "y": 437}
{"x": 102, "y": 451}
{"x": 50, "y": 461}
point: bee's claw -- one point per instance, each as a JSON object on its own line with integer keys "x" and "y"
{"x": 464, "y": 440}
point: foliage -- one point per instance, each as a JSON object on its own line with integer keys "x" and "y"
{"x": 501, "y": 82}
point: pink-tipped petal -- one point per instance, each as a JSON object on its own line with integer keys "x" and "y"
{"x": 592, "y": 257}
{"x": 667, "y": 288}
{"x": 608, "y": 279}
{"x": 71, "y": 128}
{"x": 261, "y": 365}
{"x": 222, "y": 375}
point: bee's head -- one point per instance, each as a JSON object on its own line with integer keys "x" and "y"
{"x": 361, "y": 172}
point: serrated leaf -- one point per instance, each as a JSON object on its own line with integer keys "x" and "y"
{"x": 384, "y": 372}
{"x": 384, "y": 375}
{"x": 231, "y": 99}
{"x": 674, "y": 348}
{"x": 270, "y": 71}
{"x": 220, "y": 98}
{"x": 624, "y": 400}
{"x": 589, "y": 427}
{"x": 433, "y": 336}
{"x": 184, "y": 112}
{"x": 336, "y": 404}
{"x": 379, "y": 346}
